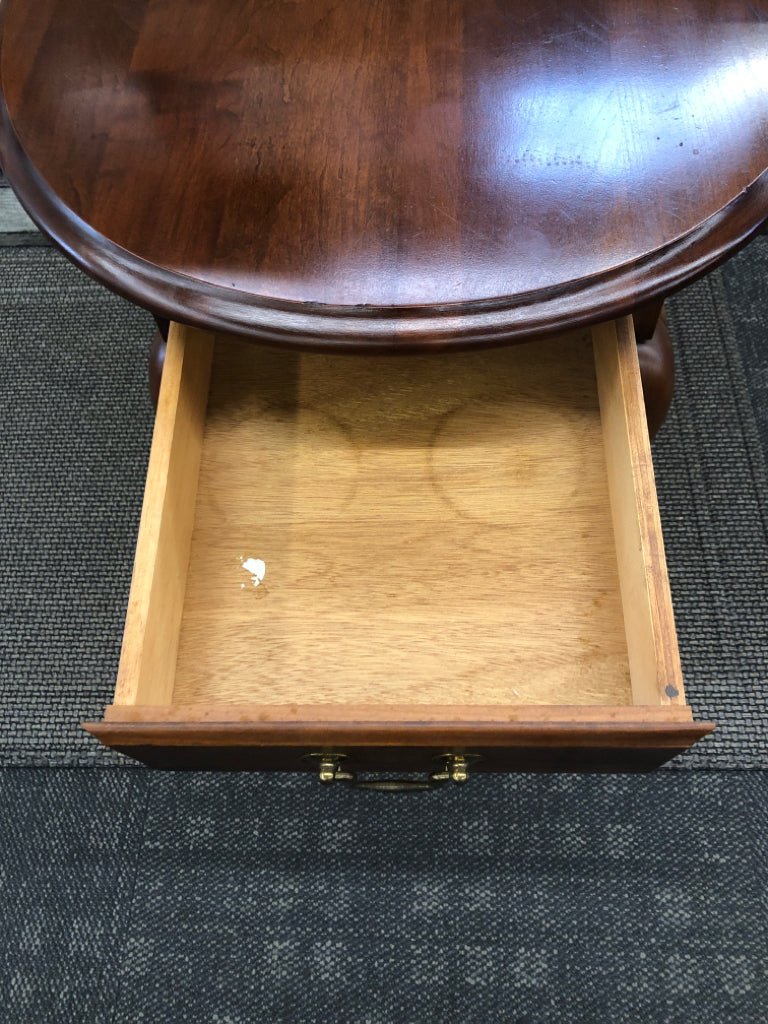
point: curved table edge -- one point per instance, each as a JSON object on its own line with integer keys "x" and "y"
{"x": 175, "y": 296}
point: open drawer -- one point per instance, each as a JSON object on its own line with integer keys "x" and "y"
{"x": 401, "y": 559}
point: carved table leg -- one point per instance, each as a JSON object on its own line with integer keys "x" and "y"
{"x": 157, "y": 358}
{"x": 657, "y": 364}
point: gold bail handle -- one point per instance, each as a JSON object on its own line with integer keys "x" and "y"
{"x": 454, "y": 768}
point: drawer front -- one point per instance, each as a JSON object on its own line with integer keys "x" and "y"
{"x": 529, "y": 747}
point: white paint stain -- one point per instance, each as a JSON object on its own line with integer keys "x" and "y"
{"x": 256, "y": 567}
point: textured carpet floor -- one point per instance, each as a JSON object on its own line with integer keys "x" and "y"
{"x": 245, "y": 899}
{"x": 77, "y": 425}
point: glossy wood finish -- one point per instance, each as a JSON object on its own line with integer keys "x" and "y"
{"x": 395, "y": 738}
{"x": 657, "y": 365}
{"x": 391, "y": 173}
{"x": 156, "y": 360}
{"x": 387, "y": 746}
{"x": 656, "y": 358}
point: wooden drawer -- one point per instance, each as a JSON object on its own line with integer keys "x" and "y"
{"x": 462, "y": 555}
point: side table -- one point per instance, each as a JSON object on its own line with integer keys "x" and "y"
{"x": 432, "y": 179}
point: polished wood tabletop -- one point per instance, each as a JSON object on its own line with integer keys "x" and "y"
{"x": 392, "y": 173}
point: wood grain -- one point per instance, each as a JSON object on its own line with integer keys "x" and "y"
{"x": 393, "y": 714}
{"x": 434, "y": 532}
{"x": 393, "y": 174}
{"x": 441, "y": 571}
{"x": 651, "y": 636}
{"x": 386, "y": 734}
{"x": 638, "y": 746}
{"x": 150, "y": 640}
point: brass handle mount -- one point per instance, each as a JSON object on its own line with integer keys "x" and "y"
{"x": 453, "y": 768}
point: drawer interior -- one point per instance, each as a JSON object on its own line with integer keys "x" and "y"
{"x": 447, "y": 535}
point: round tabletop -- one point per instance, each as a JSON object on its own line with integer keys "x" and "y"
{"x": 391, "y": 173}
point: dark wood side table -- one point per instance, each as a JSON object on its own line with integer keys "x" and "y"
{"x": 396, "y": 176}
{"x": 389, "y": 175}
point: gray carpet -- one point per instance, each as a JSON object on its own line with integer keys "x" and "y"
{"x": 242, "y": 899}
{"x": 710, "y": 459}
{"x": 77, "y": 425}
{"x": 15, "y": 226}
{"x": 133, "y": 896}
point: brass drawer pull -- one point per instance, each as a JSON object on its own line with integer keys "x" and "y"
{"x": 454, "y": 768}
